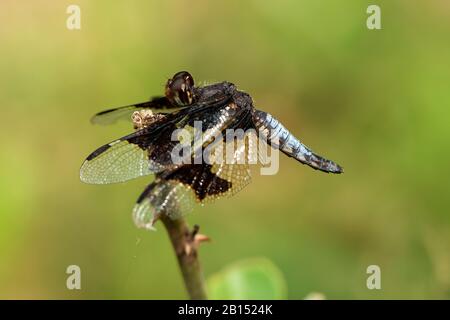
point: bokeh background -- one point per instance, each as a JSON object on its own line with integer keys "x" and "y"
{"x": 375, "y": 101}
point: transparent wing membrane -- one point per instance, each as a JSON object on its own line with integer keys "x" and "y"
{"x": 121, "y": 161}
{"x": 162, "y": 197}
{"x": 111, "y": 116}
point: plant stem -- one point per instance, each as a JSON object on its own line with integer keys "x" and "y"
{"x": 185, "y": 247}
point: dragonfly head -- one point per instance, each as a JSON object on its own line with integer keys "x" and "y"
{"x": 180, "y": 89}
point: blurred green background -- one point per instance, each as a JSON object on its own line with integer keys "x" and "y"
{"x": 375, "y": 101}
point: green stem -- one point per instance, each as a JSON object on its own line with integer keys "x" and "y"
{"x": 187, "y": 254}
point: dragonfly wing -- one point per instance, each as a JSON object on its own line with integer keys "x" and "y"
{"x": 150, "y": 150}
{"x": 111, "y": 116}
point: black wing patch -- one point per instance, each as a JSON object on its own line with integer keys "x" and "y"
{"x": 201, "y": 179}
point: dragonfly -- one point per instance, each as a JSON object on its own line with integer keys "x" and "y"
{"x": 177, "y": 187}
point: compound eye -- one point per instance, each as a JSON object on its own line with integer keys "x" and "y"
{"x": 180, "y": 89}
{"x": 188, "y": 79}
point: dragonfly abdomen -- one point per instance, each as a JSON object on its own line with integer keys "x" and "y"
{"x": 280, "y": 138}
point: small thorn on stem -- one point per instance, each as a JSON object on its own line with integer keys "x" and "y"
{"x": 193, "y": 240}
{"x": 199, "y": 238}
